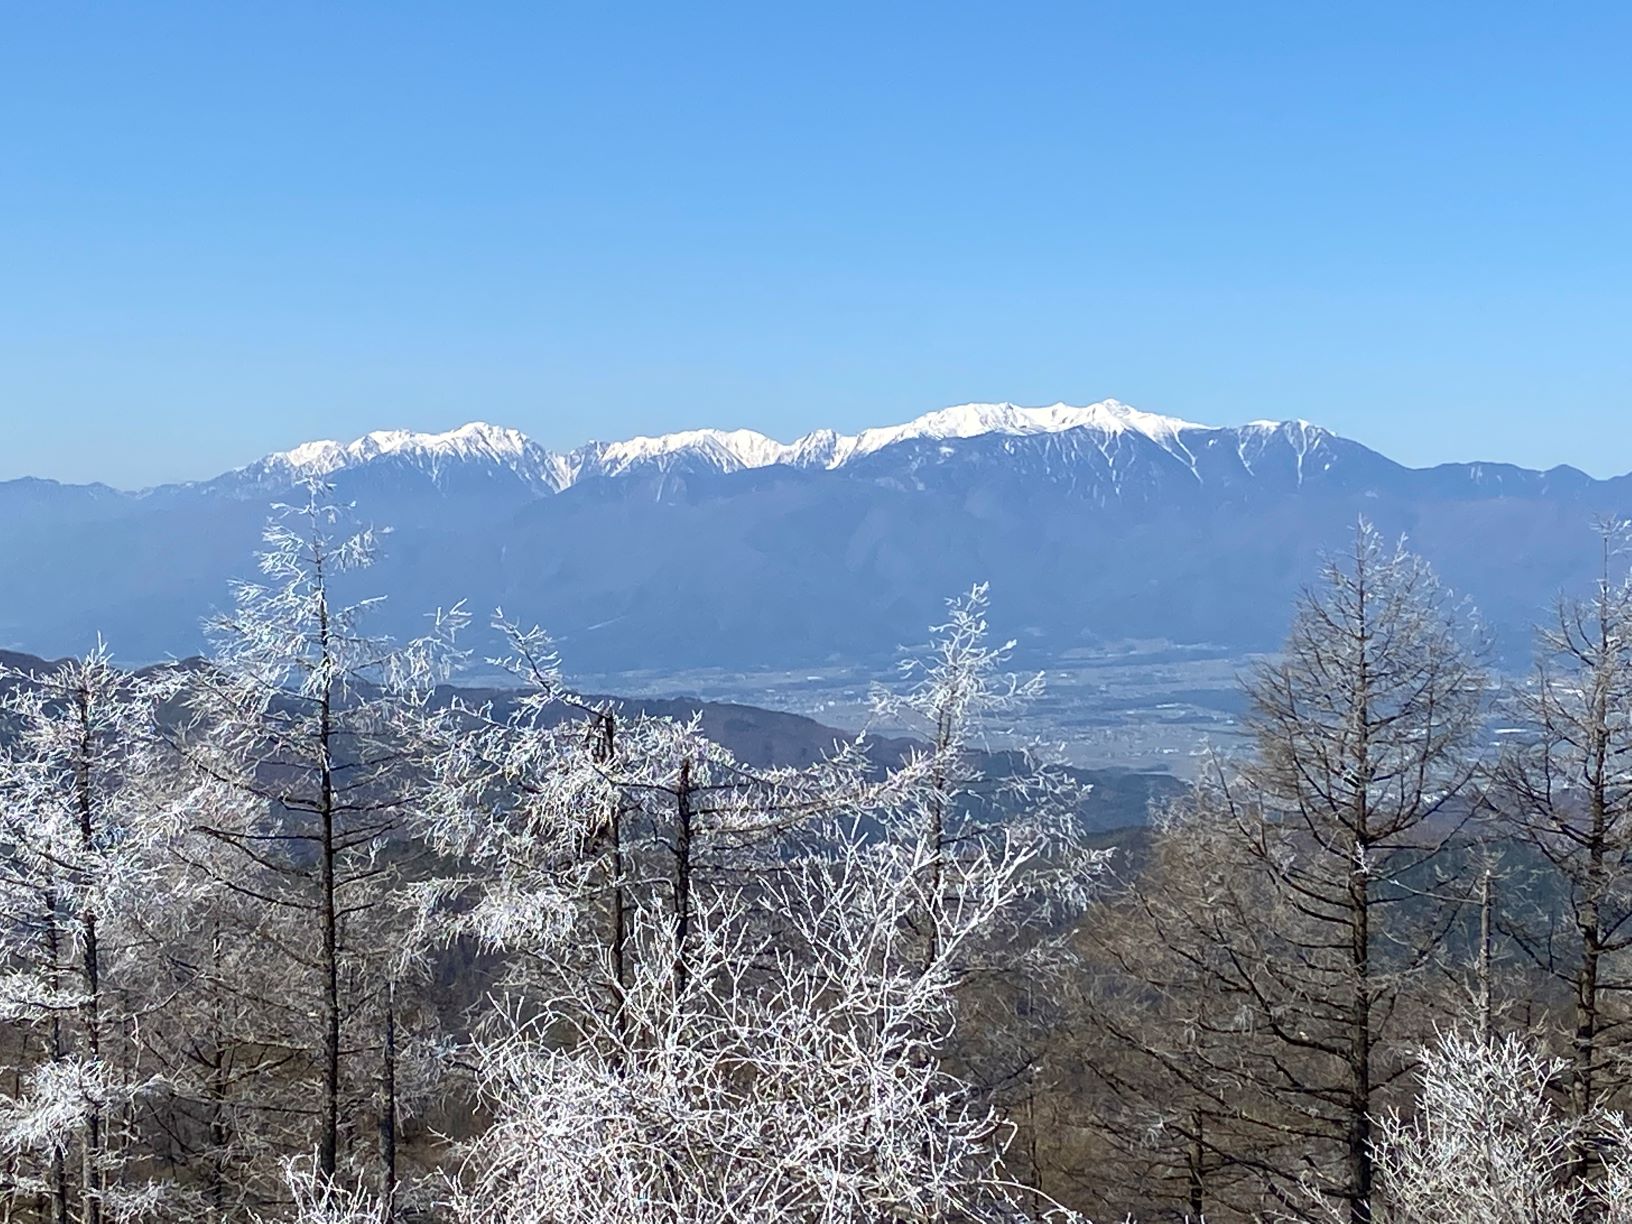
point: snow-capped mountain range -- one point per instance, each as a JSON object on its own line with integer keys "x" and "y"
{"x": 729, "y": 548}
{"x": 729, "y": 450}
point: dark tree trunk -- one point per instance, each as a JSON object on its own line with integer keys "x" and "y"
{"x": 388, "y": 1107}
{"x": 218, "y": 1080}
{"x": 329, "y": 1107}
{"x": 90, "y": 974}
{"x": 58, "y": 1050}
{"x": 683, "y": 817}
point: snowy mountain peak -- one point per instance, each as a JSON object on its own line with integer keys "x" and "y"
{"x": 1296, "y": 424}
{"x": 741, "y": 449}
{"x": 734, "y": 450}
{"x": 975, "y": 420}
{"x": 730, "y": 450}
{"x": 476, "y": 440}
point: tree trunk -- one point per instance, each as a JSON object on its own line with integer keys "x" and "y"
{"x": 1486, "y": 1000}
{"x": 90, "y": 977}
{"x": 1358, "y": 1139}
{"x": 683, "y": 817}
{"x": 329, "y": 1109}
{"x": 605, "y": 750}
{"x": 1585, "y": 1052}
{"x": 53, "y": 952}
{"x": 388, "y": 1107}
{"x": 219, "y": 1136}
{"x": 1359, "y": 1131}
{"x": 1196, "y": 1172}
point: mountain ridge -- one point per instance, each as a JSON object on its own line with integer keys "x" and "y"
{"x": 743, "y": 449}
{"x": 730, "y": 450}
{"x": 1095, "y": 524}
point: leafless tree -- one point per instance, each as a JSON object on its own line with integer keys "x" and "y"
{"x": 83, "y": 840}
{"x": 1564, "y": 790}
{"x": 305, "y": 725}
{"x": 1289, "y": 916}
{"x": 1486, "y": 1143}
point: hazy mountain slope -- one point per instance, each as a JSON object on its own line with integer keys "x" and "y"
{"x": 728, "y": 548}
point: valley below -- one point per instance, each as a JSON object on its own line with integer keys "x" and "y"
{"x": 1148, "y": 706}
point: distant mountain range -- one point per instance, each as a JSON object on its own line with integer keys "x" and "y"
{"x": 1093, "y": 524}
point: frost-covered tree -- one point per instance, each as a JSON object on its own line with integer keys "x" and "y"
{"x": 786, "y": 966}
{"x": 787, "y": 1075}
{"x": 516, "y": 799}
{"x": 1486, "y": 1143}
{"x": 570, "y": 814}
{"x": 976, "y": 787}
{"x": 319, "y": 1199}
{"x": 83, "y": 842}
{"x": 306, "y": 728}
{"x": 973, "y": 782}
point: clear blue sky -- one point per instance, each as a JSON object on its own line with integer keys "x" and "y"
{"x": 227, "y": 228}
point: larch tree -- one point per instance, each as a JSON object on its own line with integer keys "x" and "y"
{"x": 83, "y": 840}
{"x": 1292, "y": 912}
{"x": 974, "y": 787}
{"x": 310, "y": 731}
{"x": 572, "y": 813}
{"x": 1564, "y": 790}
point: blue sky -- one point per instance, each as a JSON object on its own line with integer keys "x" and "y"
{"x": 227, "y": 228}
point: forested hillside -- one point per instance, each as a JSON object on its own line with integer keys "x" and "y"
{"x": 298, "y": 931}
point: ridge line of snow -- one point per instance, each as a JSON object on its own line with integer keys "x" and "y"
{"x": 474, "y": 439}
{"x": 734, "y": 450}
{"x": 738, "y": 449}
